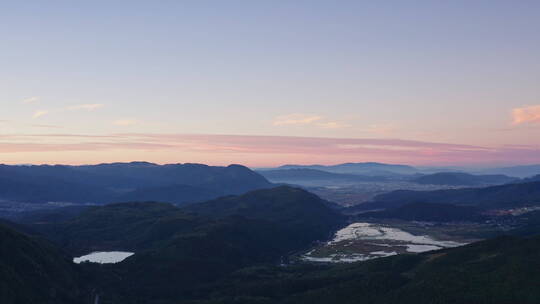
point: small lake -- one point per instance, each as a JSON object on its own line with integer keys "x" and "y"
{"x": 104, "y": 257}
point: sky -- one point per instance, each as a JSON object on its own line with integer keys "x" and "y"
{"x": 264, "y": 83}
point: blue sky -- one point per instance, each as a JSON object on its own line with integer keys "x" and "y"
{"x": 456, "y": 72}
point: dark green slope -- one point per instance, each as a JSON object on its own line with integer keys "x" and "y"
{"x": 188, "y": 261}
{"x": 139, "y": 226}
{"x": 126, "y": 226}
{"x": 499, "y": 271}
{"x": 33, "y": 271}
{"x": 304, "y": 214}
{"x": 179, "y": 250}
{"x": 184, "y": 248}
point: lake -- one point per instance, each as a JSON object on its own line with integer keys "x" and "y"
{"x": 104, "y": 257}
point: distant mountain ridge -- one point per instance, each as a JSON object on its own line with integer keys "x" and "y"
{"x": 502, "y": 196}
{"x": 365, "y": 168}
{"x": 307, "y": 174}
{"x": 177, "y": 183}
{"x": 531, "y": 179}
{"x": 517, "y": 171}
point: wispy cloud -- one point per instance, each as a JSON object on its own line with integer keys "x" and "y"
{"x": 332, "y": 125}
{"x": 296, "y": 119}
{"x": 40, "y": 113}
{"x": 307, "y": 119}
{"x": 30, "y": 100}
{"x": 528, "y": 114}
{"x": 125, "y": 122}
{"x": 46, "y": 126}
{"x": 87, "y": 107}
{"x": 381, "y": 129}
{"x": 80, "y": 107}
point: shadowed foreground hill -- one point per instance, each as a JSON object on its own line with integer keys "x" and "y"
{"x": 136, "y": 226}
{"x": 191, "y": 247}
{"x": 125, "y": 226}
{"x": 34, "y": 271}
{"x": 498, "y": 271}
{"x": 303, "y": 213}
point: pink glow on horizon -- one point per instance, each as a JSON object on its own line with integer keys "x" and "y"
{"x": 255, "y": 151}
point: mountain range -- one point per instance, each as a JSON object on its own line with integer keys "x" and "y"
{"x": 304, "y": 175}
{"x": 367, "y": 168}
{"x": 502, "y": 196}
{"x": 105, "y": 183}
{"x": 382, "y": 169}
{"x": 517, "y": 171}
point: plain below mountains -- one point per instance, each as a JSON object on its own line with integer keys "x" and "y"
{"x": 175, "y": 183}
{"x": 463, "y": 179}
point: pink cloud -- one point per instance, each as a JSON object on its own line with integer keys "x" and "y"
{"x": 529, "y": 114}
{"x": 40, "y": 113}
{"x": 296, "y": 119}
{"x": 87, "y": 107}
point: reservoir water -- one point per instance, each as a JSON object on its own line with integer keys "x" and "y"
{"x": 104, "y": 257}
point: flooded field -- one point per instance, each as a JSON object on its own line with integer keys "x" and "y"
{"x": 364, "y": 241}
